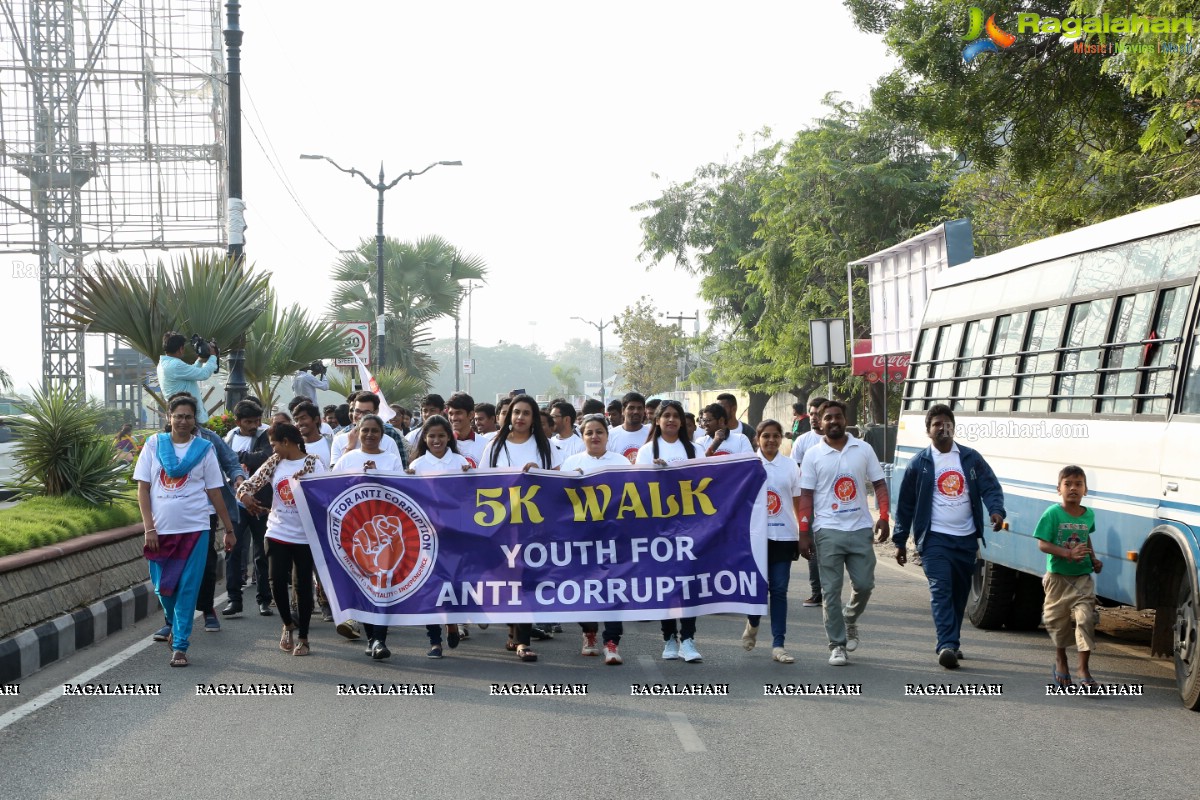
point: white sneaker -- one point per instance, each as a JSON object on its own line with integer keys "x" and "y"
{"x": 749, "y": 637}
{"x": 611, "y": 656}
{"x": 671, "y": 649}
{"x": 837, "y": 657}
{"x": 687, "y": 649}
{"x": 589, "y": 645}
{"x": 851, "y": 638}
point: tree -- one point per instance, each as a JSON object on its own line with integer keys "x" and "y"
{"x": 566, "y": 380}
{"x": 423, "y": 281}
{"x": 282, "y": 341}
{"x": 6, "y": 382}
{"x": 396, "y": 384}
{"x": 648, "y": 349}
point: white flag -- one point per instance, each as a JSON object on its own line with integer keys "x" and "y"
{"x": 368, "y": 381}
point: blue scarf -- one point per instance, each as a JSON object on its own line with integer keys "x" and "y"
{"x": 165, "y": 450}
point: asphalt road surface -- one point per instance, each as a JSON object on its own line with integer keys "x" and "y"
{"x": 463, "y": 741}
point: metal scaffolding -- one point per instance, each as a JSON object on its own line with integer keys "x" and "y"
{"x": 112, "y": 138}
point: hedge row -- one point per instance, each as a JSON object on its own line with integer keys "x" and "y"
{"x": 42, "y": 521}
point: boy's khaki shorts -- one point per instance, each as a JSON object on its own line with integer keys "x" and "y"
{"x": 1067, "y": 597}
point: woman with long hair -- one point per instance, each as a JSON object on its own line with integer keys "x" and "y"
{"x": 521, "y": 443}
{"x": 783, "y": 536}
{"x": 179, "y": 480}
{"x": 287, "y": 548}
{"x": 596, "y": 455}
{"x": 669, "y": 444}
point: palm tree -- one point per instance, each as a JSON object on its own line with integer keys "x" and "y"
{"x": 423, "y": 281}
{"x": 282, "y": 341}
{"x": 6, "y": 382}
{"x": 395, "y": 383}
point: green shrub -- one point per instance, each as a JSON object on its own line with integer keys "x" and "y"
{"x": 42, "y": 521}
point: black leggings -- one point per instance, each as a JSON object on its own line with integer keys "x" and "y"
{"x": 375, "y": 632}
{"x": 685, "y": 626}
{"x": 283, "y": 556}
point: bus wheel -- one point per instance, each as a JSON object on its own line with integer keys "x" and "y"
{"x": 992, "y": 590}
{"x": 1029, "y": 597}
{"x": 1187, "y": 646}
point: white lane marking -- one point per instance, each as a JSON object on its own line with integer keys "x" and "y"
{"x": 650, "y": 667}
{"x": 46, "y": 698}
{"x": 687, "y": 734}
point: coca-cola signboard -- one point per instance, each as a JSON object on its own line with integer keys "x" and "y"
{"x": 872, "y": 365}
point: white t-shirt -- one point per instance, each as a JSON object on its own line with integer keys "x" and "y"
{"x": 429, "y": 464}
{"x": 179, "y": 505}
{"x": 387, "y": 445}
{"x": 472, "y": 449}
{"x": 627, "y": 442}
{"x": 783, "y": 484}
{"x": 951, "y": 512}
{"x": 412, "y": 436}
{"x": 589, "y": 464}
{"x": 839, "y": 481}
{"x": 355, "y": 461}
{"x": 735, "y": 444}
{"x": 518, "y": 455}
{"x": 326, "y": 430}
{"x": 240, "y": 443}
{"x": 283, "y": 523}
{"x": 570, "y": 446}
{"x": 320, "y": 449}
{"x": 802, "y": 445}
{"x": 670, "y": 452}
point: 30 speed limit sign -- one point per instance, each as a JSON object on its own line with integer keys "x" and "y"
{"x": 356, "y": 337}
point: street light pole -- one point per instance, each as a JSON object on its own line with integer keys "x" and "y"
{"x": 380, "y": 186}
{"x": 600, "y": 326}
{"x": 235, "y": 360}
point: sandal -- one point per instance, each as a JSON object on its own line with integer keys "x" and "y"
{"x": 301, "y": 648}
{"x": 1088, "y": 683}
{"x": 179, "y": 659}
{"x": 525, "y": 654}
{"x": 286, "y": 643}
{"x": 782, "y": 656}
{"x": 510, "y": 646}
{"x": 749, "y": 637}
{"x": 1061, "y": 679}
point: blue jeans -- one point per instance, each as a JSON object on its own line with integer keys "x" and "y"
{"x": 779, "y": 574}
{"x": 949, "y": 562}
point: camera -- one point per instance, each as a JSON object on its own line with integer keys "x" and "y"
{"x": 204, "y": 349}
{"x": 317, "y": 368}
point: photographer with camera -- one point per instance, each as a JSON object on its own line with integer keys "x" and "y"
{"x": 176, "y": 375}
{"x": 306, "y": 382}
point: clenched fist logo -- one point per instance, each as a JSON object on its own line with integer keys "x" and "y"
{"x": 377, "y": 547}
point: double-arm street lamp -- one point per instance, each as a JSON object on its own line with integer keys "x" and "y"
{"x": 381, "y": 186}
{"x": 600, "y": 326}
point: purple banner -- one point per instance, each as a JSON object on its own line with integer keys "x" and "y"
{"x": 505, "y": 546}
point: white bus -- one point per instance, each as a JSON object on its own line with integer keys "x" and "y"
{"x": 1080, "y": 349}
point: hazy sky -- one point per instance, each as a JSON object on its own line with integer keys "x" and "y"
{"x": 561, "y": 113}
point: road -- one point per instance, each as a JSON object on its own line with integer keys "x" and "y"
{"x": 464, "y": 742}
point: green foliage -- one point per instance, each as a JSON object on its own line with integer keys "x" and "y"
{"x": 111, "y": 419}
{"x": 648, "y": 350}
{"x": 281, "y": 341}
{"x": 221, "y": 424}
{"x": 423, "y": 280}
{"x": 61, "y": 451}
{"x": 203, "y": 293}
{"x": 566, "y": 380}
{"x": 42, "y": 521}
{"x": 397, "y": 385}
{"x": 5, "y": 381}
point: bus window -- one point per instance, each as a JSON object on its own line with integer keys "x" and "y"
{"x": 1160, "y": 358}
{"x": 1191, "y": 389}
{"x": 1037, "y": 368}
{"x": 998, "y": 391}
{"x": 1078, "y": 376}
{"x": 918, "y": 387}
{"x": 977, "y": 338}
{"x": 946, "y": 354}
{"x": 1118, "y": 386}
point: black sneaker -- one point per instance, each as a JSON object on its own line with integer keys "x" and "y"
{"x": 813, "y": 602}
{"x": 541, "y": 634}
{"x": 948, "y": 659}
{"x": 264, "y": 609}
{"x": 233, "y": 609}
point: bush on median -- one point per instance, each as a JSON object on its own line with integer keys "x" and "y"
{"x": 41, "y": 521}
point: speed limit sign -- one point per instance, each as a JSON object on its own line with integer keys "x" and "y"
{"x": 356, "y": 337}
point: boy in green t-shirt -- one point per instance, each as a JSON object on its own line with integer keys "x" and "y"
{"x": 1064, "y": 534}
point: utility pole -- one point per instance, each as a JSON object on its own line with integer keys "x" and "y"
{"x": 235, "y": 387}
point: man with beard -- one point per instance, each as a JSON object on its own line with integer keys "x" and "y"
{"x": 632, "y": 434}
{"x": 833, "y": 486}
{"x": 942, "y": 497}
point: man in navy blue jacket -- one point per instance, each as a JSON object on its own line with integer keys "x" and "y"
{"x": 942, "y": 497}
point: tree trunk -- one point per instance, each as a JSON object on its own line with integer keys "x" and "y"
{"x": 754, "y": 409}
{"x": 878, "y": 408}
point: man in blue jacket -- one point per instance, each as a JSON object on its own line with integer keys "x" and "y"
{"x": 942, "y": 497}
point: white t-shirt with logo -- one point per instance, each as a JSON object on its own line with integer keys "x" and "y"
{"x": 340, "y": 442}
{"x": 472, "y": 449}
{"x": 570, "y": 446}
{"x": 670, "y": 452}
{"x": 783, "y": 484}
{"x": 179, "y": 505}
{"x": 356, "y": 461}
{"x": 951, "y": 512}
{"x": 587, "y": 464}
{"x": 429, "y": 464}
{"x": 735, "y": 443}
{"x": 839, "y": 480}
{"x": 283, "y": 523}
{"x": 518, "y": 455}
{"x": 627, "y": 442}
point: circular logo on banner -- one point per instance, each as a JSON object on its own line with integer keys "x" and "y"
{"x": 844, "y": 489}
{"x": 774, "y": 504}
{"x": 950, "y": 483}
{"x": 383, "y": 540}
{"x": 169, "y": 483}
{"x": 284, "y": 490}
{"x": 631, "y": 454}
